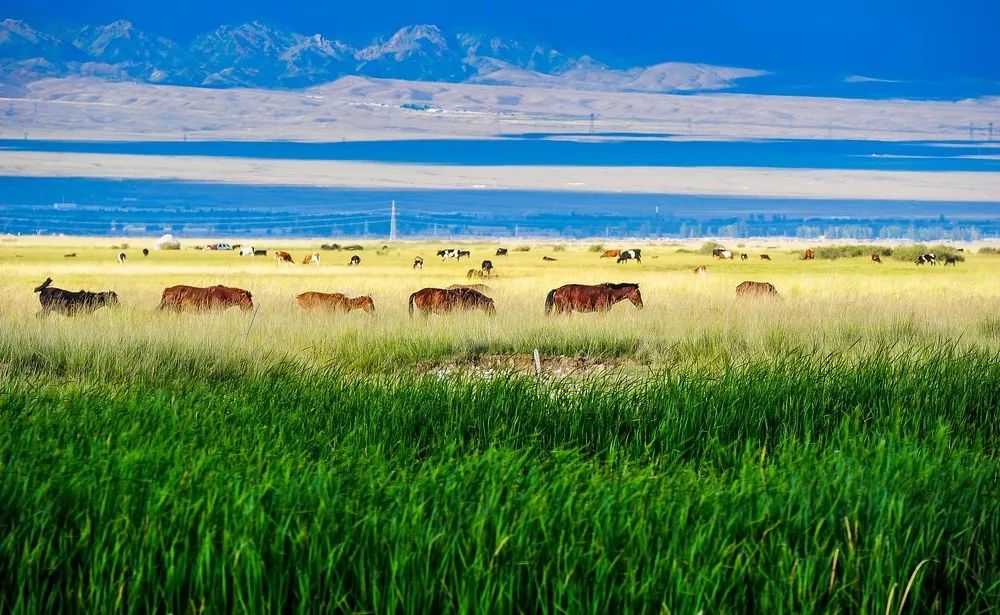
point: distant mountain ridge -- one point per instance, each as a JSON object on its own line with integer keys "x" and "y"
{"x": 256, "y": 54}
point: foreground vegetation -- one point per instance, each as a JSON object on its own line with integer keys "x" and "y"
{"x": 775, "y": 487}
{"x": 835, "y": 450}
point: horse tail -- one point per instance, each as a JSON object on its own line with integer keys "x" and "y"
{"x": 412, "y": 297}
{"x": 550, "y": 301}
{"x": 43, "y": 285}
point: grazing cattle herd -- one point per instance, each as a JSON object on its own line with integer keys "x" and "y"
{"x": 563, "y": 300}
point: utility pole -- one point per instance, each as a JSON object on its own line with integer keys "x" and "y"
{"x": 970, "y": 132}
{"x": 591, "y": 123}
{"x": 392, "y": 223}
{"x": 989, "y": 133}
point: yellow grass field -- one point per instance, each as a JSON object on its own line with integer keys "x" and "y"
{"x": 846, "y": 306}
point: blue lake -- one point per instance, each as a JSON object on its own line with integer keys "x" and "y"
{"x": 544, "y": 149}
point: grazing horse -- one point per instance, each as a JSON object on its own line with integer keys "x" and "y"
{"x": 477, "y": 287}
{"x": 355, "y": 261}
{"x": 722, "y": 254}
{"x": 876, "y": 258}
{"x": 335, "y": 302}
{"x": 926, "y": 258}
{"x": 418, "y": 262}
{"x": 487, "y": 268}
{"x": 312, "y": 259}
{"x": 744, "y": 256}
{"x": 501, "y": 251}
{"x": 121, "y": 258}
{"x": 71, "y": 303}
{"x": 145, "y": 251}
{"x": 586, "y": 298}
{"x": 283, "y": 257}
{"x": 439, "y": 300}
{"x": 765, "y": 257}
{"x": 951, "y": 259}
{"x": 809, "y": 255}
{"x": 756, "y": 289}
{"x": 246, "y": 251}
{"x": 700, "y": 270}
{"x": 611, "y": 254}
{"x": 181, "y": 297}
{"x": 628, "y": 255}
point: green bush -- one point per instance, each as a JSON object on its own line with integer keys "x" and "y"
{"x": 596, "y": 248}
{"x": 940, "y": 251}
{"x": 851, "y": 251}
{"x": 708, "y": 246}
{"x": 989, "y": 250}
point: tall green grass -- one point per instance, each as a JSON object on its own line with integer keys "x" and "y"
{"x": 217, "y": 483}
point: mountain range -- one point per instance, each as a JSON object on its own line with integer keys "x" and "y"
{"x": 256, "y": 54}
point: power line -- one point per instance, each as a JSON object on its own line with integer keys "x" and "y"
{"x": 392, "y": 223}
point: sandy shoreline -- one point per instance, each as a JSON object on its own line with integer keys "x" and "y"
{"x": 722, "y": 181}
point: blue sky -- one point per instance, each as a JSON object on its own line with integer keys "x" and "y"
{"x": 916, "y": 39}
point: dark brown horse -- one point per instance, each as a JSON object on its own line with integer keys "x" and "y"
{"x": 71, "y": 303}
{"x": 584, "y": 298}
{"x": 756, "y": 289}
{"x": 335, "y": 302}
{"x": 182, "y": 297}
{"x": 477, "y": 287}
{"x": 439, "y": 300}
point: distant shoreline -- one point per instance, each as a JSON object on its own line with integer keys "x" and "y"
{"x": 719, "y": 181}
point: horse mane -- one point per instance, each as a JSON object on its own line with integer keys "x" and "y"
{"x": 619, "y": 285}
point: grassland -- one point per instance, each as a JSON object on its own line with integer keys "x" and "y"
{"x": 833, "y": 450}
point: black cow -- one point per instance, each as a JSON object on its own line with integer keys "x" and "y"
{"x": 951, "y": 259}
{"x": 355, "y": 261}
{"x": 145, "y": 251}
{"x": 926, "y": 258}
{"x": 260, "y": 252}
{"x": 628, "y": 255}
{"x": 487, "y": 268}
{"x": 71, "y": 303}
{"x": 501, "y": 251}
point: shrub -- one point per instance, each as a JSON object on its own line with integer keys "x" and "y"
{"x": 941, "y": 251}
{"x": 708, "y": 246}
{"x": 559, "y": 248}
{"x": 852, "y": 251}
{"x": 596, "y": 248}
{"x": 989, "y": 250}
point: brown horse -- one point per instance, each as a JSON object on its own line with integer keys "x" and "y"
{"x": 585, "y": 298}
{"x": 438, "y": 300}
{"x": 876, "y": 258}
{"x": 476, "y": 287}
{"x": 756, "y": 289}
{"x": 219, "y": 297}
{"x": 335, "y": 302}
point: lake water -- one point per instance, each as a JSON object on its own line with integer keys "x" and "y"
{"x": 625, "y": 149}
{"x": 147, "y": 207}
